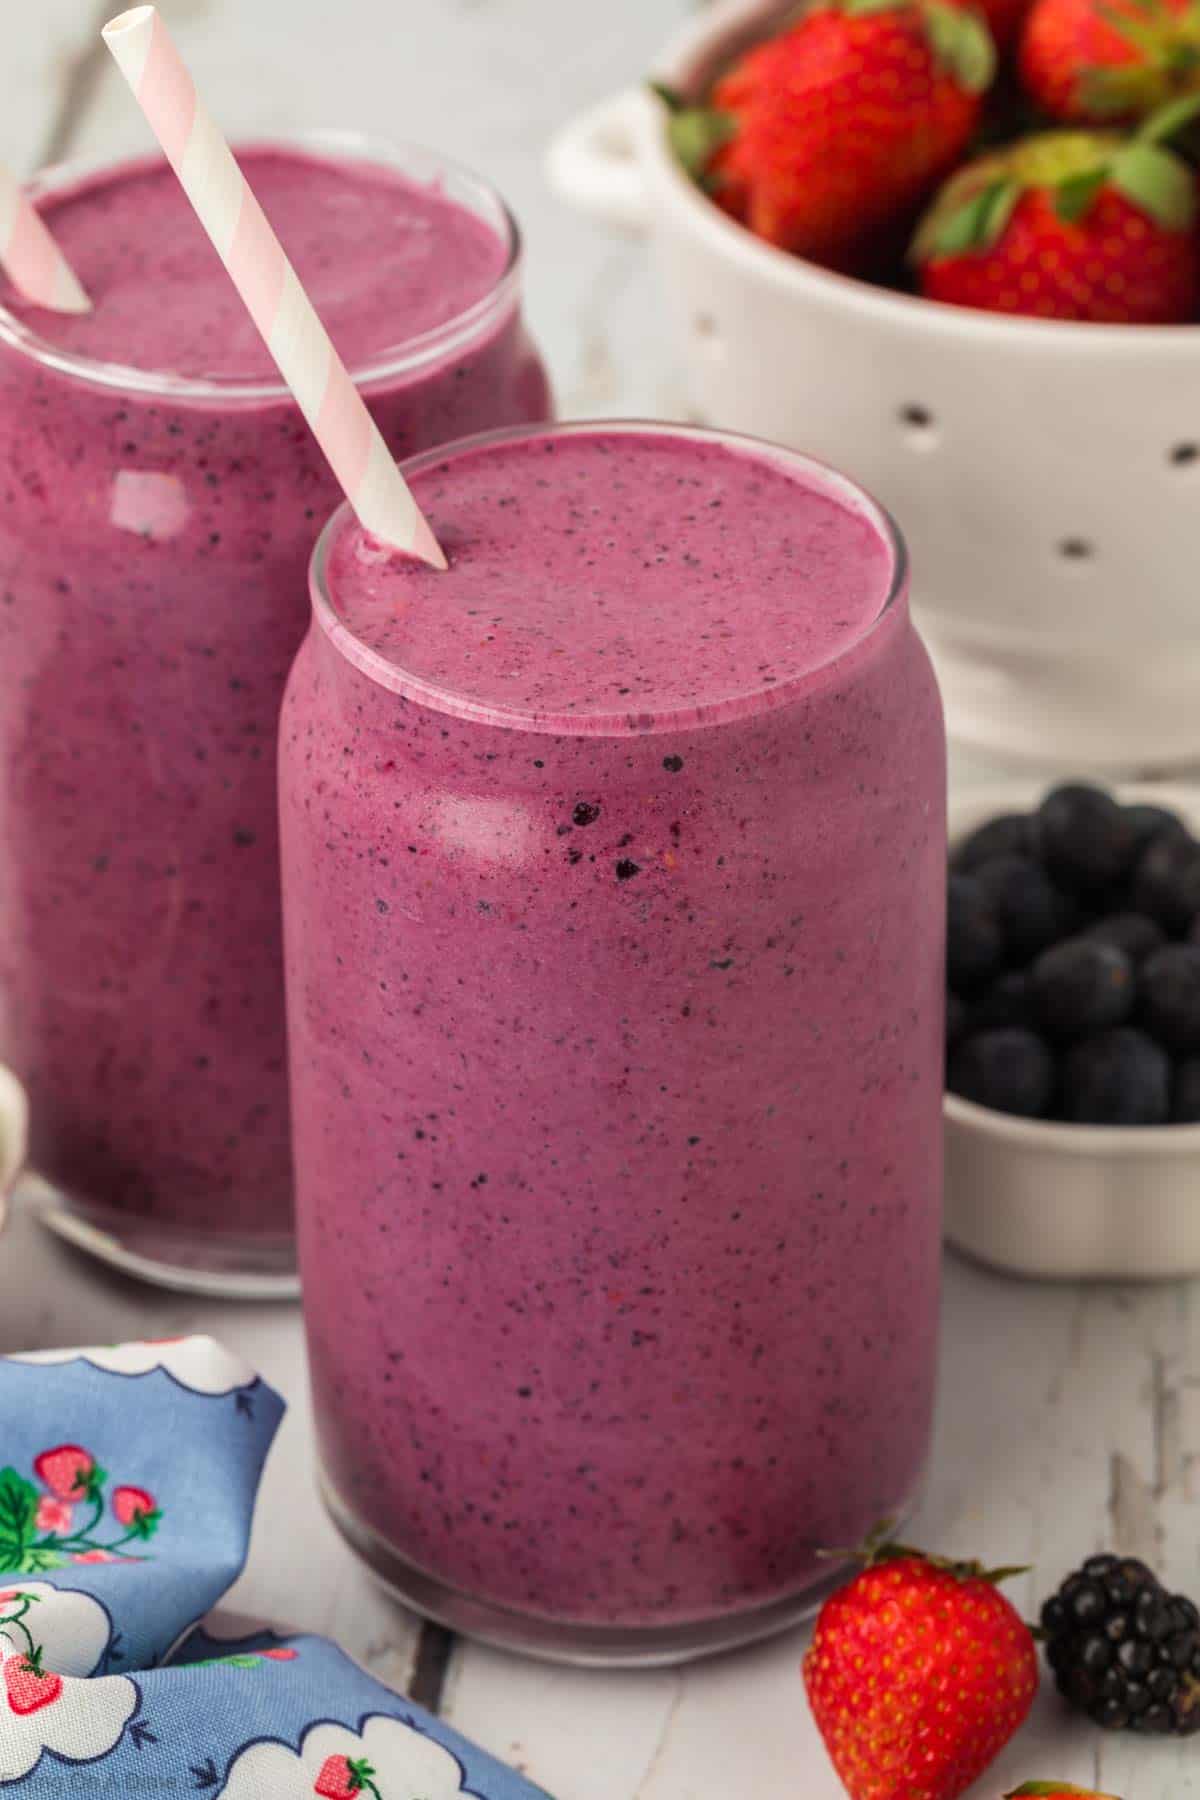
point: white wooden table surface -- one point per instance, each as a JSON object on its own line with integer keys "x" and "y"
{"x": 1066, "y": 1415}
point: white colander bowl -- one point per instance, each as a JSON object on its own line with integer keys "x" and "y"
{"x": 1046, "y": 475}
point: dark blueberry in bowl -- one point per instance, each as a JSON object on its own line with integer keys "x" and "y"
{"x": 1005, "y": 1002}
{"x": 1085, "y": 839}
{"x": 1081, "y": 986}
{"x": 1170, "y": 997}
{"x": 1134, "y": 933}
{"x": 1119, "y": 1077}
{"x": 956, "y": 1019}
{"x": 1150, "y": 822}
{"x": 974, "y": 940}
{"x": 1006, "y": 835}
{"x": 1166, "y": 882}
{"x": 1031, "y": 910}
{"x": 1010, "y": 1070}
{"x": 1185, "y": 1092}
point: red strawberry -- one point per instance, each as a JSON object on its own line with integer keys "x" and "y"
{"x": 342, "y": 1777}
{"x": 66, "y": 1470}
{"x": 839, "y": 128}
{"x": 134, "y": 1507}
{"x": 29, "y": 1686}
{"x": 918, "y": 1674}
{"x": 1068, "y": 225}
{"x": 1096, "y": 61}
{"x": 1057, "y": 1790}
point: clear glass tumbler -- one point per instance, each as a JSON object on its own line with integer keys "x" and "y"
{"x": 613, "y": 891}
{"x": 154, "y": 534}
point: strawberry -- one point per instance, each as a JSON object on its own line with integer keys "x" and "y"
{"x": 135, "y": 1508}
{"x": 827, "y": 136}
{"x": 342, "y": 1777}
{"x": 918, "y": 1674}
{"x": 67, "y": 1471}
{"x": 30, "y": 1687}
{"x": 1057, "y": 1790}
{"x": 1102, "y": 61}
{"x": 1068, "y": 225}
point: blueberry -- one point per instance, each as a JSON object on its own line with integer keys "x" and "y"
{"x": 1005, "y": 1002}
{"x": 1134, "y": 933}
{"x": 956, "y": 1019}
{"x": 1166, "y": 882}
{"x": 1085, "y": 839}
{"x": 1031, "y": 911}
{"x": 1011, "y": 1071}
{"x": 1005, "y": 835}
{"x": 1185, "y": 1092}
{"x": 1149, "y": 822}
{"x": 974, "y": 941}
{"x": 1170, "y": 997}
{"x": 1081, "y": 986}
{"x": 1119, "y": 1077}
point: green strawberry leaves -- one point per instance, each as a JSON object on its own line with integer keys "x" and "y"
{"x": 967, "y": 220}
{"x": 1055, "y": 1787}
{"x": 1173, "y": 123}
{"x": 1116, "y": 93}
{"x": 1073, "y": 198}
{"x": 695, "y": 133}
{"x": 1157, "y": 183}
{"x": 1072, "y": 170}
{"x": 962, "y": 43}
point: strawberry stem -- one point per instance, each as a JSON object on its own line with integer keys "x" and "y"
{"x": 879, "y": 1547}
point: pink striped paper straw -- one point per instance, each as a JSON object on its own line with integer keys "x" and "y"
{"x": 267, "y": 282}
{"x": 32, "y": 260}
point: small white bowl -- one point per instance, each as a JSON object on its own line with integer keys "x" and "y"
{"x": 1070, "y": 1201}
{"x": 14, "y": 1135}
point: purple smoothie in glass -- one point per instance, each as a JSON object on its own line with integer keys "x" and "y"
{"x": 613, "y": 872}
{"x": 159, "y": 498}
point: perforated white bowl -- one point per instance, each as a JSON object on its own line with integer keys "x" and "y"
{"x": 1046, "y": 475}
{"x": 1079, "y": 1201}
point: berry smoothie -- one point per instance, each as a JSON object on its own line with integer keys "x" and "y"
{"x": 613, "y": 871}
{"x": 159, "y": 497}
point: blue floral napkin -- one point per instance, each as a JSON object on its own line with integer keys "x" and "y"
{"x": 126, "y": 1493}
{"x": 127, "y": 1484}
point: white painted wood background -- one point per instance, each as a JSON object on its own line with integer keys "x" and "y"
{"x": 1067, "y": 1414}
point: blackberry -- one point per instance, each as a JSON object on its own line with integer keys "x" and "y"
{"x": 1123, "y": 1650}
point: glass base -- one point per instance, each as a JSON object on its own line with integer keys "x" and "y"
{"x": 572, "y": 1641}
{"x": 228, "y": 1268}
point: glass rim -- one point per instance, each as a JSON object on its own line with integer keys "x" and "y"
{"x": 753, "y": 702}
{"x": 407, "y": 357}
